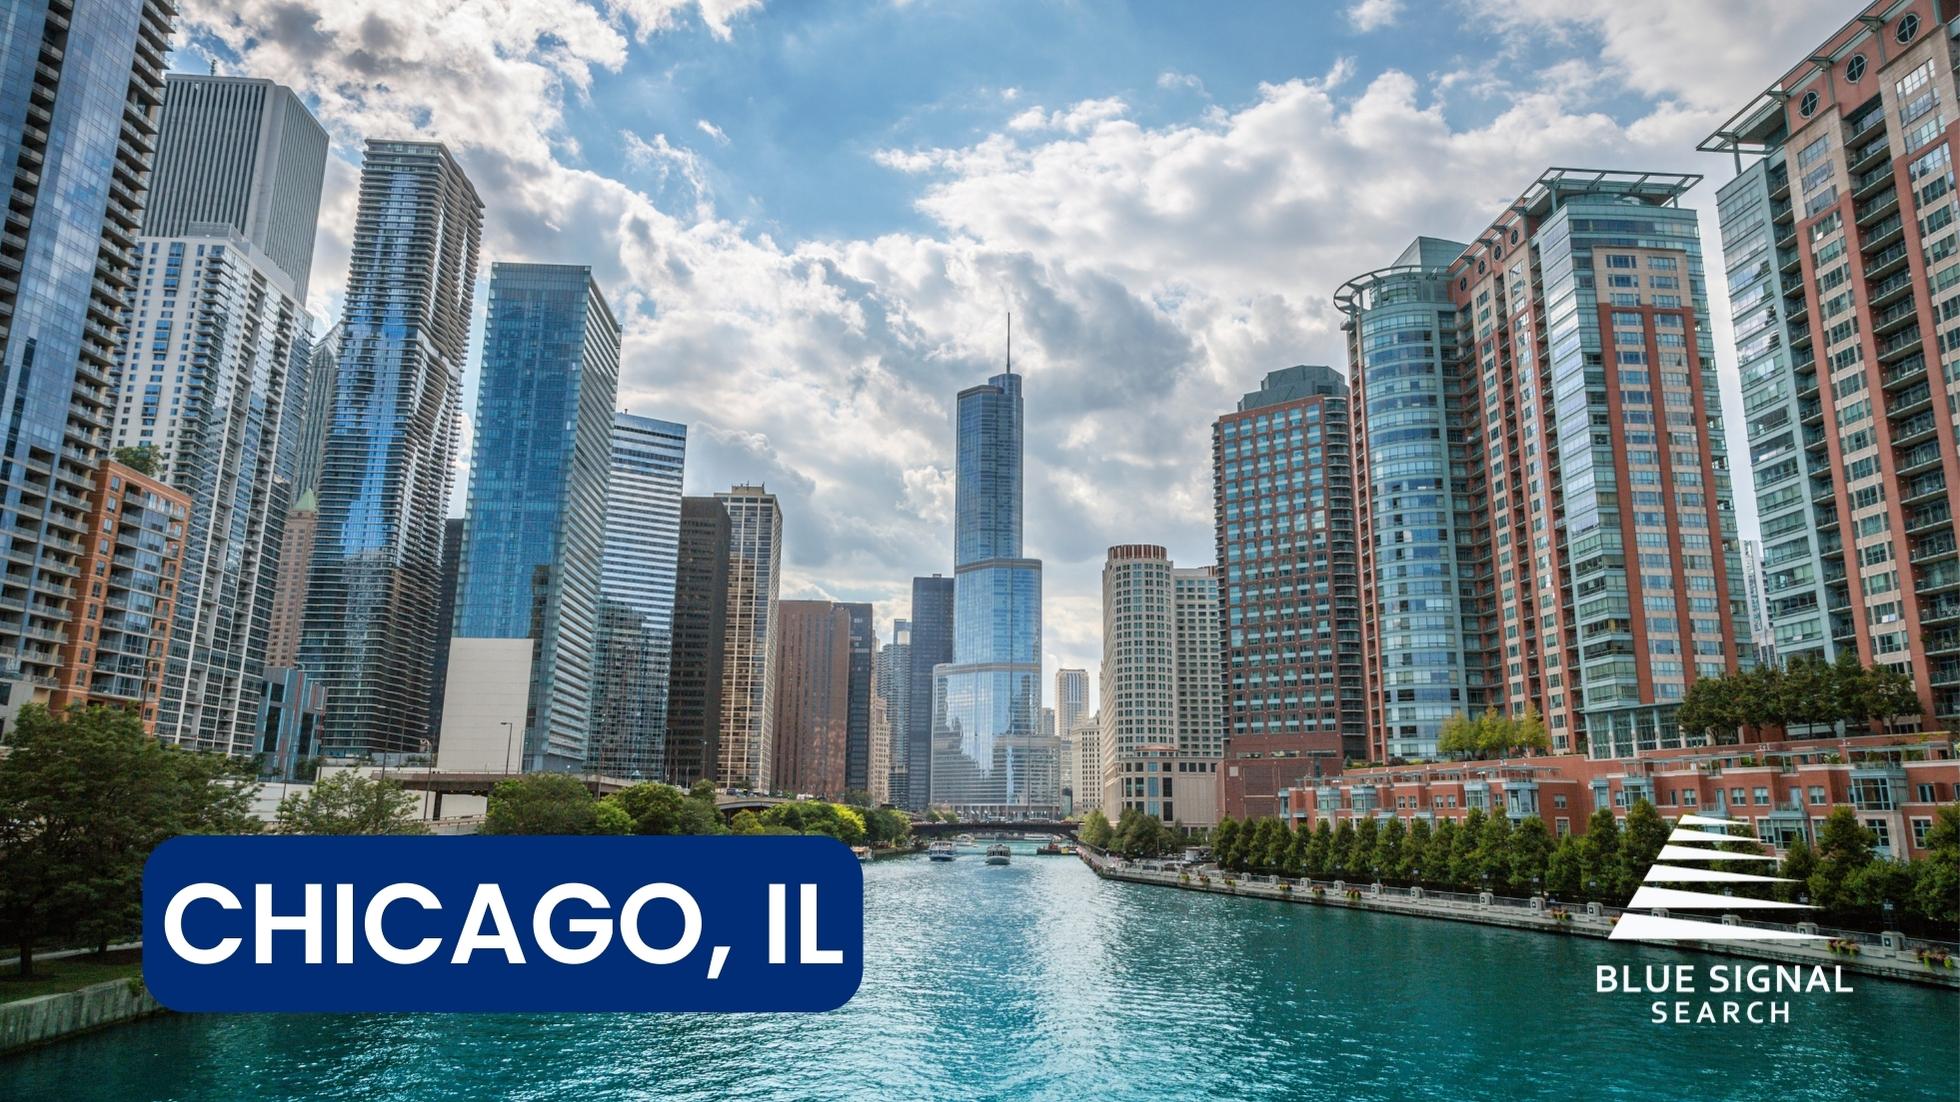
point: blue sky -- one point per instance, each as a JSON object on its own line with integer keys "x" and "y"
{"x": 810, "y": 216}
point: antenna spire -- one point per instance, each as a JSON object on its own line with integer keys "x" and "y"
{"x": 1010, "y": 342}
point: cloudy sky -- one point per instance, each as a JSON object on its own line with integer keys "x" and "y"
{"x": 811, "y": 216}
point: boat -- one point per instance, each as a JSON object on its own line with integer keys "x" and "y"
{"x": 965, "y": 839}
{"x": 862, "y": 853}
{"x": 1052, "y": 849}
{"x": 940, "y": 851}
{"x": 998, "y": 854}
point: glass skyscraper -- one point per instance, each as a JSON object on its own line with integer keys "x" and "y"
{"x": 932, "y": 645}
{"x": 84, "y": 83}
{"x": 636, "y": 597}
{"x": 377, "y": 565}
{"x": 749, "y": 642}
{"x": 988, "y": 750}
{"x": 533, "y": 534}
{"x": 213, "y": 371}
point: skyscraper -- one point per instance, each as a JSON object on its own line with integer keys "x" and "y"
{"x": 1839, "y": 239}
{"x": 1423, "y": 649}
{"x": 864, "y": 642}
{"x": 750, "y": 643}
{"x": 1583, "y": 500}
{"x": 695, "y": 669}
{"x": 445, "y": 621}
{"x": 1283, "y": 501}
{"x": 813, "y": 697}
{"x": 536, "y": 523}
{"x": 212, "y": 371}
{"x": 371, "y": 601}
{"x": 988, "y": 752}
{"x": 1071, "y": 699}
{"x": 83, "y": 84}
{"x": 637, "y": 597}
{"x": 289, "y": 593}
{"x": 1161, "y": 702}
{"x": 314, "y": 413}
{"x": 932, "y": 645}
{"x": 894, "y": 688}
{"x": 243, "y": 154}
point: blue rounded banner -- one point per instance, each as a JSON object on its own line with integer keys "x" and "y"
{"x": 290, "y": 923}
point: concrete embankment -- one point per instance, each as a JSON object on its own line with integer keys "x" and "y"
{"x": 1888, "y": 956}
{"x": 45, "y": 1018}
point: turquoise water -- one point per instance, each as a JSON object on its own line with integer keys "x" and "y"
{"x": 1039, "y": 981}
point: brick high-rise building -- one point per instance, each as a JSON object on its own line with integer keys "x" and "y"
{"x": 813, "y": 697}
{"x": 1543, "y": 483}
{"x": 750, "y": 645}
{"x": 1844, "y": 278}
{"x": 1283, "y": 500}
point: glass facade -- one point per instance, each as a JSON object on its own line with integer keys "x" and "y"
{"x": 637, "y": 597}
{"x": 391, "y": 445}
{"x": 215, "y": 353}
{"x": 932, "y": 645}
{"x": 83, "y": 84}
{"x": 534, "y": 531}
{"x": 1412, "y": 502}
{"x": 749, "y": 641}
{"x": 694, "y": 665}
{"x": 988, "y": 749}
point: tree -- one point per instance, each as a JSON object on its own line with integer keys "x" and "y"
{"x": 1936, "y": 876}
{"x": 1464, "y": 868}
{"x": 1530, "y": 854}
{"x": 845, "y": 824}
{"x": 1388, "y": 849}
{"x": 610, "y": 818}
{"x": 541, "y": 803}
{"x": 1640, "y": 843}
{"x": 1414, "y": 851}
{"x": 1880, "y": 882}
{"x": 1095, "y": 830}
{"x": 1493, "y": 852}
{"x": 1438, "y": 863}
{"x": 1224, "y": 838}
{"x": 1367, "y": 839}
{"x": 1458, "y": 735}
{"x": 1799, "y": 861}
{"x": 1602, "y": 871}
{"x": 745, "y": 822}
{"x": 1340, "y": 860}
{"x": 1844, "y": 846}
{"x": 886, "y": 827}
{"x": 651, "y": 808}
{"x": 142, "y": 458}
{"x": 1273, "y": 844}
{"x": 352, "y": 803}
{"x": 1565, "y": 871}
{"x": 84, "y": 797}
{"x": 1298, "y": 841}
{"x": 856, "y": 797}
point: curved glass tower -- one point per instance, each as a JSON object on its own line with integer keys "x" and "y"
{"x": 1418, "y": 536}
{"x": 989, "y": 752}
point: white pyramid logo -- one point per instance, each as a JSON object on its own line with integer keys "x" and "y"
{"x": 1699, "y": 845}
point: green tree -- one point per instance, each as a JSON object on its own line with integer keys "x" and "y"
{"x": 1367, "y": 840}
{"x": 1224, "y": 838}
{"x": 856, "y": 797}
{"x": 651, "y": 808}
{"x": 1936, "y": 876}
{"x": 1095, "y": 830}
{"x": 541, "y": 803}
{"x": 1298, "y": 841}
{"x": 84, "y": 797}
{"x": 818, "y": 817}
{"x": 1565, "y": 870}
{"x": 352, "y": 803}
{"x": 1340, "y": 860}
{"x": 1414, "y": 851}
{"x": 745, "y": 822}
{"x": 610, "y": 818}
{"x": 1640, "y": 843}
{"x": 1602, "y": 871}
{"x": 1458, "y": 735}
{"x": 1320, "y": 850}
{"x": 887, "y": 827}
{"x": 1438, "y": 864}
{"x": 1465, "y": 869}
{"x": 142, "y": 458}
{"x": 1389, "y": 849}
{"x": 1844, "y": 846}
{"x": 1530, "y": 854}
{"x": 1799, "y": 861}
{"x": 1880, "y": 882}
{"x": 1493, "y": 853}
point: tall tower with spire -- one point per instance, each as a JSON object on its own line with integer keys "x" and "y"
{"x": 989, "y": 751}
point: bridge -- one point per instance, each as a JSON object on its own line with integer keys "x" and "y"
{"x": 995, "y": 829}
{"x": 467, "y": 782}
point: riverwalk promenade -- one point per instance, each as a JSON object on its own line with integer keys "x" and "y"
{"x": 1890, "y": 955}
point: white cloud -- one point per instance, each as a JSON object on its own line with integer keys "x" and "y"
{"x": 1373, "y": 15}
{"x": 1155, "y": 272}
{"x": 712, "y": 131}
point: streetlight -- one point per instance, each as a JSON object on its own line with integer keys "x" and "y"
{"x": 510, "y": 733}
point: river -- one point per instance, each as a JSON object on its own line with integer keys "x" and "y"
{"x": 1039, "y": 981}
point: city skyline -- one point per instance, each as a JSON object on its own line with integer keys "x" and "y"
{"x": 934, "y": 230}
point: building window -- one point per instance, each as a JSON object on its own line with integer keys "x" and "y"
{"x": 1921, "y": 828}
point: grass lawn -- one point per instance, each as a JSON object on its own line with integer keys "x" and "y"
{"x": 51, "y": 977}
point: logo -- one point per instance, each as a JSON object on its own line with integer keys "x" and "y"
{"x": 502, "y": 923}
{"x": 1640, "y": 923}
